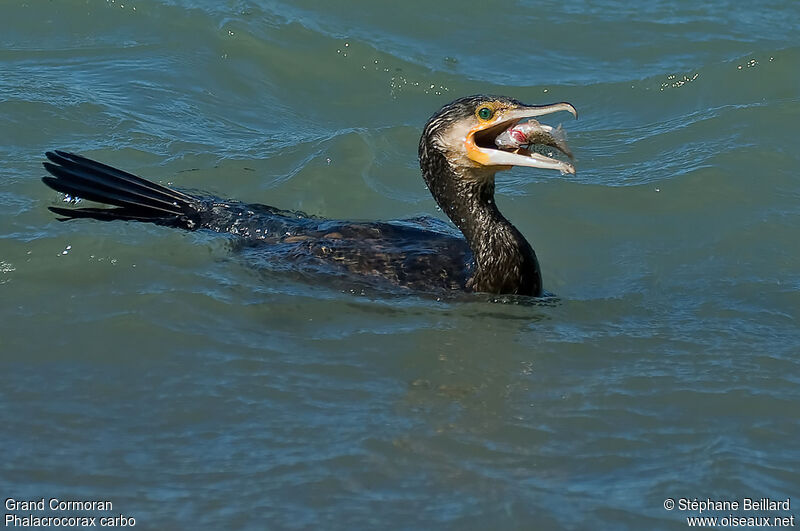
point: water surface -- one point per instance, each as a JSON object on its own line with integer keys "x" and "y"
{"x": 155, "y": 369}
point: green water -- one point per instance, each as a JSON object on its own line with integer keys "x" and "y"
{"x": 157, "y": 370}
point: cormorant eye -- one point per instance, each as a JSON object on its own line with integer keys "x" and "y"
{"x": 485, "y": 113}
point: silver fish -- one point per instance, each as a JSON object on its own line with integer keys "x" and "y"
{"x": 532, "y": 132}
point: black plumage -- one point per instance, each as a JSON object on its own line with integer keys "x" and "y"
{"x": 421, "y": 254}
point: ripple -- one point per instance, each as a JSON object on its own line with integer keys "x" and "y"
{"x": 667, "y": 364}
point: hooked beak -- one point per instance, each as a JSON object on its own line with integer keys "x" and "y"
{"x": 481, "y": 148}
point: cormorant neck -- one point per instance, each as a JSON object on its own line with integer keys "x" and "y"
{"x": 504, "y": 261}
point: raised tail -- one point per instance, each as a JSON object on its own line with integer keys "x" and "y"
{"x": 134, "y": 198}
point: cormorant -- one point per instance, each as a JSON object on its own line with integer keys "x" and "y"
{"x": 458, "y": 158}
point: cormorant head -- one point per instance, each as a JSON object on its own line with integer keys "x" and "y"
{"x": 464, "y": 132}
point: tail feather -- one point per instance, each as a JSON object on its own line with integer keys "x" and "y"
{"x": 102, "y": 214}
{"x": 136, "y": 199}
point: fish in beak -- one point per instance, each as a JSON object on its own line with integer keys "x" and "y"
{"x": 502, "y": 135}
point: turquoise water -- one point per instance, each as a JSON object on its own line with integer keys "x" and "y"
{"x": 155, "y": 369}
